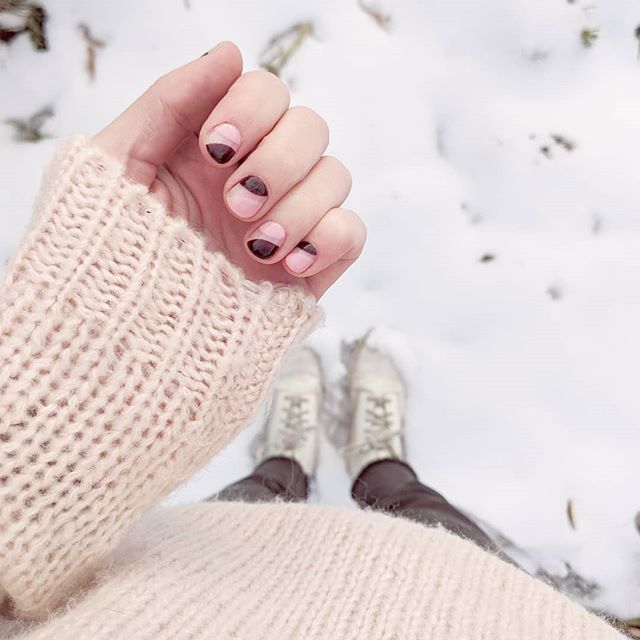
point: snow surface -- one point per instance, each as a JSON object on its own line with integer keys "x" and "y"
{"x": 523, "y": 370}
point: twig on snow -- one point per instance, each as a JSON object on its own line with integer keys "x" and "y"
{"x": 281, "y": 48}
{"x": 563, "y": 141}
{"x": 588, "y": 36}
{"x": 554, "y": 292}
{"x": 30, "y": 129}
{"x": 381, "y": 19}
{"x": 92, "y": 45}
{"x": 570, "y": 517}
{"x": 33, "y": 17}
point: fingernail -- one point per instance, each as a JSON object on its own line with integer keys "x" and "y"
{"x": 246, "y": 198}
{"x": 222, "y": 142}
{"x": 266, "y": 240}
{"x": 220, "y": 44}
{"x": 302, "y": 257}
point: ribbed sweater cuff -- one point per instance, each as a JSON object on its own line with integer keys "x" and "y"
{"x": 129, "y": 355}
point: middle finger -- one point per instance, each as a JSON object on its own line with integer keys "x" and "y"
{"x": 281, "y": 160}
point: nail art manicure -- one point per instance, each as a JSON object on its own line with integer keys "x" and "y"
{"x": 302, "y": 257}
{"x": 266, "y": 240}
{"x": 222, "y": 142}
{"x": 247, "y": 197}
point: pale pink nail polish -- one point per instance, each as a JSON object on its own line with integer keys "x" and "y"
{"x": 247, "y": 197}
{"x": 302, "y": 257}
{"x": 266, "y": 240}
{"x": 222, "y": 142}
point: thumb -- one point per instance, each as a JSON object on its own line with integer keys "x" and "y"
{"x": 172, "y": 109}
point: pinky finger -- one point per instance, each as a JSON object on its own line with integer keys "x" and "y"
{"x": 330, "y": 248}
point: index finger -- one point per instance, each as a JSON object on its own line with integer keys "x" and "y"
{"x": 174, "y": 107}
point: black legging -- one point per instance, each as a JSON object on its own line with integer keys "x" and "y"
{"x": 390, "y": 486}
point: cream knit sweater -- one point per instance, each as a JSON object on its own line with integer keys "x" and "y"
{"x": 130, "y": 355}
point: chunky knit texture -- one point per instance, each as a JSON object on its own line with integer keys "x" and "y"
{"x": 301, "y": 572}
{"x": 129, "y": 355}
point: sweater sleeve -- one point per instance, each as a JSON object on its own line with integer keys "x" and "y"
{"x": 129, "y": 355}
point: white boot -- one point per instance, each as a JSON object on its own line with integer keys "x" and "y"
{"x": 291, "y": 430}
{"x": 378, "y": 398}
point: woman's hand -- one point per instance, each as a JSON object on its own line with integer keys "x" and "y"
{"x": 225, "y": 151}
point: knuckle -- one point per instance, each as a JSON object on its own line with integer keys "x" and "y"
{"x": 256, "y": 74}
{"x": 311, "y": 119}
{"x": 160, "y": 82}
{"x": 169, "y": 109}
{"x": 266, "y": 79}
{"x": 354, "y": 230}
{"x": 362, "y": 232}
{"x": 287, "y": 159}
{"x": 338, "y": 169}
{"x": 161, "y": 95}
{"x": 307, "y": 201}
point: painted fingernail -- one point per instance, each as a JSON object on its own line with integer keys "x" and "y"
{"x": 223, "y": 142}
{"x": 302, "y": 257}
{"x": 266, "y": 240}
{"x": 218, "y": 46}
{"x": 246, "y": 198}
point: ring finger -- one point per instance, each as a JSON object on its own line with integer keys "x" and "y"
{"x": 326, "y": 186}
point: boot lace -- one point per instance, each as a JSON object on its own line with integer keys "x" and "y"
{"x": 294, "y": 426}
{"x": 380, "y": 428}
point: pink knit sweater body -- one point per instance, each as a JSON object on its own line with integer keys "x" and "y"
{"x": 129, "y": 356}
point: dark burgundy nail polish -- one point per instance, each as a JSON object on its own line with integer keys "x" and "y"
{"x": 262, "y": 249}
{"x": 307, "y": 247}
{"x": 254, "y": 185}
{"x": 221, "y": 153}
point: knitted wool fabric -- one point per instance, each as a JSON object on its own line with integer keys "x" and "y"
{"x": 299, "y": 572}
{"x": 129, "y": 355}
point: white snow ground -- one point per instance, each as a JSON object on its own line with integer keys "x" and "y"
{"x": 523, "y": 370}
